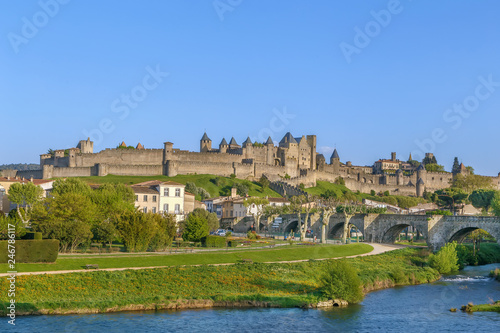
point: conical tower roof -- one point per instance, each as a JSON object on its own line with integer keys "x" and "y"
{"x": 269, "y": 141}
{"x": 335, "y": 154}
{"x": 223, "y": 142}
{"x": 123, "y": 144}
{"x": 248, "y": 141}
{"x": 205, "y": 137}
{"x": 233, "y": 141}
{"x": 139, "y": 146}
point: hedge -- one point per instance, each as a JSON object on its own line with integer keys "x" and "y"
{"x": 44, "y": 250}
{"x": 214, "y": 241}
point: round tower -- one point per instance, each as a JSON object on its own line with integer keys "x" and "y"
{"x": 420, "y": 187}
{"x": 205, "y": 144}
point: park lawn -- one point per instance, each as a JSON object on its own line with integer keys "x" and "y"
{"x": 282, "y": 284}
{"x": 205, "y": 181}
{"x": 220, "y": 257}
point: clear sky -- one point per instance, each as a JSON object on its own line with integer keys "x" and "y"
{"x": 369, "y": 77}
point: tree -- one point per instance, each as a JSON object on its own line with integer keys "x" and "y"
{"x": 256, "y": 206}
{"x": 105, "y": 232}
{"x": 112, "y": 199}
{"x": 211, "y": 218}
{"x": 477, "y": 237}
{"x": 470, "y": 182}
{"x": 434, "y": 167}
{"x": 482, "y": 199}
{"x": 191, "y": 188}
{"x": 6, "y": 222}
{"x": 272, "y": 212}
{"x": 137, "y": 229}
{"x": 70, "y": 185}
{"x": 241, "y": 189}
{"x": 166, "y": 227}
{"x": 429, "y": 160}
{"x": 67, "y": 217}
{"x": 26, "y": 195}
{"x": 341, "y": 281}
{"x": 495, "y": 203}
{"x": 264, "y": 182}
{"x": 451, "y": 198}
{"x": 195, "y": 228}
{"x": 456, "y": 166}
{"x": 339, "y": 181}
{"x": 302, "y": 204}
{"x": 327, "y": 207}
{"x": 348, "y": 209}
{"x": 445, "y": 260}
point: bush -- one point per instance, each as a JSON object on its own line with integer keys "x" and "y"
{"x": 341, "y": 281}
{"x": 372, "y": 192}
{"x": 214, "y": 241}
{"x": 30, "y": 251}
{"x": 251, "y": 235}
{"x": 195, "y": 228}
{"x": 445, "y": 260}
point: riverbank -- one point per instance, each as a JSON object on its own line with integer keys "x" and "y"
{"x": 244, "y": 284}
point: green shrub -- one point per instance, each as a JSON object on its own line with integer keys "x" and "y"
{"x": 32, "y": 235}
{"x": 251, "y": 235}
{"x": 214, "y": 241}
{"x": 29, "y": 251}
{"x": 341, "y": 281}
{"x": 445, "y": 260}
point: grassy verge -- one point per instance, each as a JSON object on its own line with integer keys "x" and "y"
{"x": 219, "y": 257}
{"x": 284, "y": 284}
{"x": 208, "y": 182}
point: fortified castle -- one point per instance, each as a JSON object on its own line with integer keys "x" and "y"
{"x": 293, "y": 162}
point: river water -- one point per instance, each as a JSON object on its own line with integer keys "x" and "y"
{"x": 423, "y": 308}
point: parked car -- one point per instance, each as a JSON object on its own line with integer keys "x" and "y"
{"x": 221, "y": 232}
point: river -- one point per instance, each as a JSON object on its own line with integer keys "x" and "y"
{"x": 423, "y": 308}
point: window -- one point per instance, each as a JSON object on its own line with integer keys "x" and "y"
{"x": 136, "y": 198}
{"x": 145, "y": 209}
{"x": 177, "y": 209}
{"x": 154, "y": 210}
{"x": 145, "y": 197}
{"x": 165, "y": 208}
{"x": 154, "y": 198}
{"x": 165, "y": 192}
{"x": 177, "y": 192}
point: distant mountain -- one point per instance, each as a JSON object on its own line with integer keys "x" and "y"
{"x": 20, "y": 166}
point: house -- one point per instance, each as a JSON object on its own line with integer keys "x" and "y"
{"x": 165, "y": 197}
{"x": 6, "y": 182}
{"x": 146, "y": 198}
{"x": 214, "y": 205}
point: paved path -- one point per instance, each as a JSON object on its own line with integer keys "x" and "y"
{"x": 377, "y": 249}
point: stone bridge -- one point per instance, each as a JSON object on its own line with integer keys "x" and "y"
{"x": 384, "y": 228}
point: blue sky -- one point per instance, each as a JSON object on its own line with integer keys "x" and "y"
{"x": 369, "y": 77}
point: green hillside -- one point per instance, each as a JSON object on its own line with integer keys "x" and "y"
{"x": 215, "y": 185}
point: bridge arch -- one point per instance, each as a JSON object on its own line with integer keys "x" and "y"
{"x": 392, "y": 233}
{"x": 292, "y": 225}
{"x": 458, "y": 234}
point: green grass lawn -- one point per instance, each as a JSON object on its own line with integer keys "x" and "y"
{"x": 205, "y": 181}
{"x": 322, "y": 186}
{"x": 284, "y": 284}
{"x": 262, "y": 255}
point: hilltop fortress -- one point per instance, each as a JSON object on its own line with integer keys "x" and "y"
{"x": 293, "y": 162}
